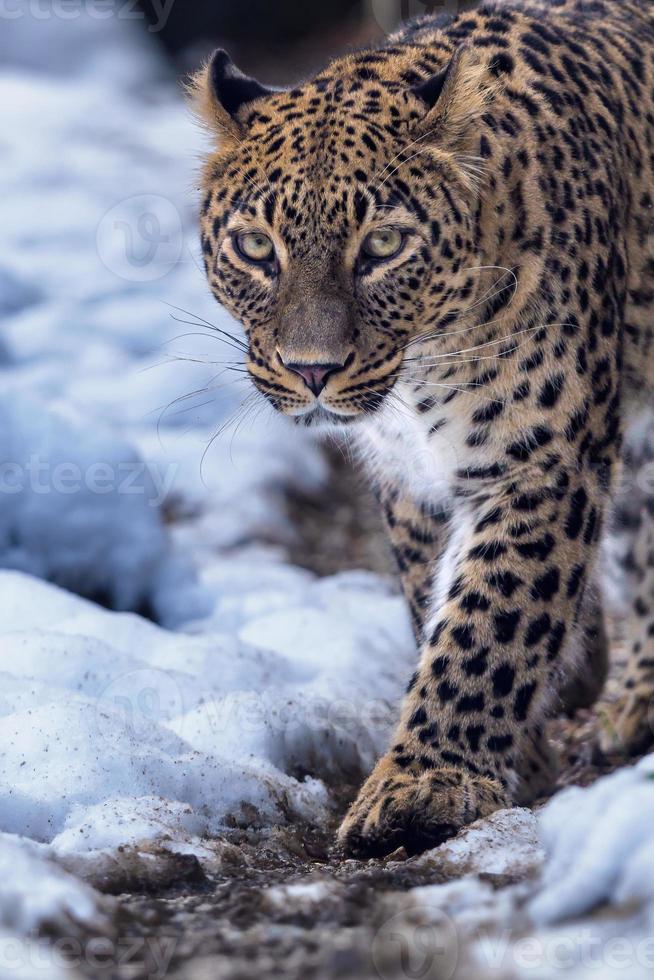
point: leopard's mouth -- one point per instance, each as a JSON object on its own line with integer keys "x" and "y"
{"x": 321, "y": 417}
{"x": 340, "y": 403}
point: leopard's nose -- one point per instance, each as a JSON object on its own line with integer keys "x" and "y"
{"x": 315, "y": 376}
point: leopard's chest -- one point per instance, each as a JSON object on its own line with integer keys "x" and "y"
{"x": 422, "y": 453}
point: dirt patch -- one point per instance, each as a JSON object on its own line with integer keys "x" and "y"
{"x": 282, "y": 913}
{"x": 340, "y": 529}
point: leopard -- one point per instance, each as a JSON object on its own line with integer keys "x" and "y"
{"x": 440, "y": 249}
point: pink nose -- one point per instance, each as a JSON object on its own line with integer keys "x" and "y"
{"x": 315, "y": 376}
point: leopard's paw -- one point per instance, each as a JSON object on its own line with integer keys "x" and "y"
{"x": 626, "y": 726}
{"x": 418, "y": 811}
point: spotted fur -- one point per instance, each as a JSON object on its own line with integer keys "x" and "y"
{"x": 486, "y": 371}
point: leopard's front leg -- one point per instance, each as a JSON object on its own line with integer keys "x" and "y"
{"x": 418, "y": 534}
{"x": 506, "y": 603}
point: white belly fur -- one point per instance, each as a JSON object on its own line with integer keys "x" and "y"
{"x": 397, "y": 448}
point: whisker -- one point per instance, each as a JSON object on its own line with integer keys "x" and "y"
{"x": 234, "y": 343}
{"x": 195, "y": 406}
{"x": 459, "y": 388}
{"x": 489, "y": 343}
{"x": 253, "y": 412}
{"x": 423, "y": 149}
{"x": 199, "y": 391}
{"x": 470, "y": 350}
{"x": 186, "y": 358}
{"x": 404, "y": 149}
{"x": 486, "y": 298}
{"x": 467, "y": 360}
{"x": 207, "y": 323}
{"x": 222, "y": 428}
{"x": 432, "y": 335}
{"x": 198, "y": 333}
{"x": 505, "y": 272}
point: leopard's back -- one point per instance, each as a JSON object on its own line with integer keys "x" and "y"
{"x": 600, "y": 51}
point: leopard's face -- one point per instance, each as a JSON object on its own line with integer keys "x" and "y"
{"x": 337, "y": 236}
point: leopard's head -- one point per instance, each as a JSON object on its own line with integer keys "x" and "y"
{"x": 338, "y": 223}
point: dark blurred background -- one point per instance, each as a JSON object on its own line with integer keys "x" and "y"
{"x": 280, "y": 40}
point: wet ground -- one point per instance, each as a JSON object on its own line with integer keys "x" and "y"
{"x": 291, "y": 909}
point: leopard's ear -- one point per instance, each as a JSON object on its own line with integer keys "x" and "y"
{"x": 220, "y": 93}
{"x": 455, "y": 98}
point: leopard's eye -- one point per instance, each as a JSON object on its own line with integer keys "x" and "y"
{"x": 384, "y": 243}
{"x": 255, "y": 246}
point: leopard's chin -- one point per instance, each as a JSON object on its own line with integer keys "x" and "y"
{"x": 323, "y": 419}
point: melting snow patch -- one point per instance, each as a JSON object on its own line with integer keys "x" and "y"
{"x": 35, "y": 893}
{"x": 506, "y": 844}
{"x": 316, "y": 897}
{"x": 115, "y": 732}
{"x": 600, "y": 845}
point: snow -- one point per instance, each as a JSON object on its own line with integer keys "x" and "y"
{"x": 109, "y": 397}
{"x": 600, "y": 844}
{"x": 582, "y": 904}
{"x": 36, "y": 891}
{"x": 37, "y": 896}
{"x": 65, "y": 516}
{"x": 311, "y": 897}
{"x": 209, "y": 721}
{"x": 507, "y": 843}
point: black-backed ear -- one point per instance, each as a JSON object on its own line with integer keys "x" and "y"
{"x": 220, "y": 92}
{"x": 231, "y": 88}
{"x": 431, "y": 90}
{"x": 455, "y": 98}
